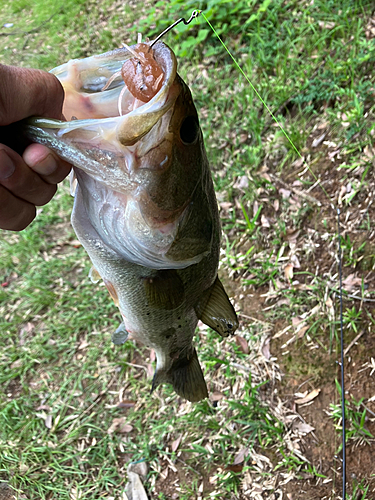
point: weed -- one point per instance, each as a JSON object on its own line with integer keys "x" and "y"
{"x": 355, "y": 419}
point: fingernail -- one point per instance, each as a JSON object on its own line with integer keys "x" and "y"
{"x": 47, "y": 166}
{"x": 7, "y": 167}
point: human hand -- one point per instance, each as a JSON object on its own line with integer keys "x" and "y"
{"x": 29, "y": 180}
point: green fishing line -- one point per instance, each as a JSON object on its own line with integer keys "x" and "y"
{"x": 339, "y": 245}
{"x": 265, "y": 105}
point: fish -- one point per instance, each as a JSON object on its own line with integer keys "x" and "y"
{"x": 145, "y": 208}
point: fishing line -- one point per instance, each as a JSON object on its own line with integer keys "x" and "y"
{"x": 194, "y": 15}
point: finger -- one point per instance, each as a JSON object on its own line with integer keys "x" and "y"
{"x": 45, "y": 163}
{"x": 15, "y": 214}
{"x": 28, "y": 92}
{"x": 21, "y": 181}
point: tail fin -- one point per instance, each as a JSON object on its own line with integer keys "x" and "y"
{"x": 186, "y": 376}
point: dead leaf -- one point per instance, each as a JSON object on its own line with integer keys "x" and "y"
{"x": 242, "y": 183}
{"x": 242, "y": 344}
{"x": 351, "y": 282}
{"x": 255, "y": 208}
{"x": 241, "y": 455}
{"x": 288, "y": 271}
{"x": 74, "y": 243}
{"x": 265, "y": 222}
{"x": 342, "y": 193}
{"x": 302, "y": 427}
{"x": 329, "y": 25}
{"x": 43, "y": 407}
{"x": 16, "y": 364}
{"x": 226, "y": 205}
{"x": 296, "y": 320}
{"x": 83, "y": 345}
{"x": 266, "y": 349}
{"x": 48, "y": 421}
{"x": 285, "y": 193}
{"x": 318, "y": 140}
{"x": 176, "y": 443}
{"x": 126, "y": 403}
{"x": 312, "y": 395}
{"x": 164, "y": 474}
{"x": 234, "y": 468}
{"x": 276, "y": 205}
{"x": 217, "y": 396}
{"x": 301, "y": 331}
{"x": 119, "y": 425}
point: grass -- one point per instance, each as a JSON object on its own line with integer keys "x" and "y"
{"x": 64, "y": 383}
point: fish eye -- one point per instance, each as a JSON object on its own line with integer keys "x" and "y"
{"x": 189, "y": 130}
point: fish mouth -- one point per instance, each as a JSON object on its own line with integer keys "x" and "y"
{"x": 103, "y": 111}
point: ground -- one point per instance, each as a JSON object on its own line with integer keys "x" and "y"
{"x": 75, "y": 410}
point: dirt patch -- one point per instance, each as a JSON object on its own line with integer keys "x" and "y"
{"x": 322, "y": 446}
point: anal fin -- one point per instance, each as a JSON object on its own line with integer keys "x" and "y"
{"x": 216, "y": 310}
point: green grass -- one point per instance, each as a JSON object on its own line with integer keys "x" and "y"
{"x": 312, "y": 63}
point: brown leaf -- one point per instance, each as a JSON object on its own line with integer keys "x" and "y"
{"x": 126, "y": 403}
{"x": 302, "y": 427}
{"x": 285, "y": 193}
{"x": 234, "y": 468}
{"x": 176, "y": 443}
{"x": 351, "y": 282}
{"x": 119, "y": 425}
{"x": 164, "y": 474}
{"x": 217, "y": 396}
{"x": 242, "y": 344}
{"x": 312, "y": 395}
{"x": 302, "y": 331}
{"x": 266, "y": 349}
{"x": 288, "y": 271}
{"x": 240, "y": 457}
{"x": 16, "y": 364}
{"x": 83, "y": 345}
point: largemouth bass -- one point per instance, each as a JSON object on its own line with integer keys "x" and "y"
{"x": 145, "y": 208}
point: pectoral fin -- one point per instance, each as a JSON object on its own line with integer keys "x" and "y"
{"x": 216, "y": 310}
{"x": 186, "y": 376}
{"x": 120, "y": 336}
{"x": 165, "y": 290}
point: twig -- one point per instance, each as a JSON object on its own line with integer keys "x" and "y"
{"x": 353, "y": 342}
{"x": 253, "y": 319}
{"x": 34, "y": 30}
{"x": 299, "y": 193}
{"x": 367, "y": 409}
